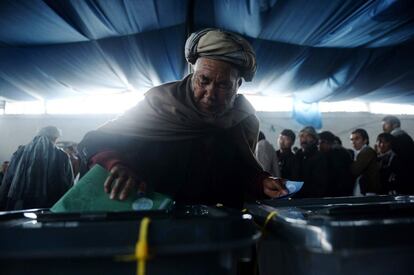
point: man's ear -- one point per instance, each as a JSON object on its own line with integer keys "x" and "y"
{"x": 239, "y": 82}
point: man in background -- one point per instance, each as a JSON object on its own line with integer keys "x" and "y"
{"x": 311, "y": 166}
{"x": 285, "y": 155}
{"x": 365, "y": 167}
{"x": 403, "y": 146}
{"x": 341, "y": 181}
{"x": 38, "y": 175}
{"x": 266, "y": 155}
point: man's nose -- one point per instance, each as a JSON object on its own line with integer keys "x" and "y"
{"x": 211, "y": 91}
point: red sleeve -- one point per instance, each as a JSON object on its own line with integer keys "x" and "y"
{"x": 106, "y": 159}
{"x": 257, "y": 187}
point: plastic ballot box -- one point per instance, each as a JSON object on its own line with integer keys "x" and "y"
{"x": 184, "y": 240}
{"x": 352, "y": 235}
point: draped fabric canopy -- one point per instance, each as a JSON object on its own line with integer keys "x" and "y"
{"x": 320, "y": 50}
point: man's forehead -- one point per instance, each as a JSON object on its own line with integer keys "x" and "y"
{"x": 355, "y": 136}
{"x": 214, "y": 66}
{"x": 284, "y": 137}
{"x": 305, "y": 134}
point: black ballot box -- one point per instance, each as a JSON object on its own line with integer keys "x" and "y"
{"x": 187, "y": 240}
{"x": 349, "y": 235}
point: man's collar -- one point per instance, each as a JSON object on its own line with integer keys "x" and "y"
{"x": 362, "y": 148}
{"x": 396, "y": 131}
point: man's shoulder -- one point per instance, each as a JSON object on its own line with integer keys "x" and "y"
{"x": 169, "y": 86}
{"x": 265, "y": 144}
{"x": 368, "y": 151}
{"x": 241, "y": 103}
{"x": 61, "y": 153}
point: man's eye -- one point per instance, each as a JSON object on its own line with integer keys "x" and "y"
{"x": 224, "y": 86}
{"x": 204, "y": 80}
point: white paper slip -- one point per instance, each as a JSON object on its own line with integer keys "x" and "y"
{"x": 293, "y": 186}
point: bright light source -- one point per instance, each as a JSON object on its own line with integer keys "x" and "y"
{"x": 343, "y": 106}
{"x": 30, "y": 215}
{"x": 25, "y": 107}
{"x": 270, "y": 104}
{"x": 99, "y": 104}
{"x": 394, "y": 109}
{"x": 118, "y": 103}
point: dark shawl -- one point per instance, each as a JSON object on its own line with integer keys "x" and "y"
{"x": 38, "y": 175}
{"x": 169, "y": 113}
{"x": 169, "y": 116}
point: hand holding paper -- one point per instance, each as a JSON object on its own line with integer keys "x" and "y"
{"x": 292, "y": 187}
{"x": 273, "y": 187}
{"x": 89, "y": 195}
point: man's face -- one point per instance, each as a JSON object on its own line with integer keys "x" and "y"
{"x": 324, "y": 146}
{"x": 357, "y": 141}
{"x": 4, "y": 166}
{"x": 387, "y": 127}
{"x": 306, "y": 140}
{"x": 383, "y": 146}
{"x": 285, "y": 143}
{"x": 215, "y": 85}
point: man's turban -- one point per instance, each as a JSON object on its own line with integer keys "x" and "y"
{"x": 222, "y": 45}
{"x": 49, "y": 131}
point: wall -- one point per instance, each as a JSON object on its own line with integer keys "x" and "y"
{"x": 17, "y": 130}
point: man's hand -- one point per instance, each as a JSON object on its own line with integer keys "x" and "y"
{"x": 121, "y": 182}
{"x": 274, "y": 187}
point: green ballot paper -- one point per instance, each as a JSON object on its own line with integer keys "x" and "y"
{"x": 88, "y": 195}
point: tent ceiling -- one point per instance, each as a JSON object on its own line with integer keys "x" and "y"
{"x": 312, "y": 50}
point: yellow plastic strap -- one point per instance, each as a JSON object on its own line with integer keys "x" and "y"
{"x": 268, "y": 218}
{"x": 141, "y": 247}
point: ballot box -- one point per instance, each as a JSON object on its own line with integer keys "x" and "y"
{"x": 350, "y": 235}
{"x": 186, "y": 240}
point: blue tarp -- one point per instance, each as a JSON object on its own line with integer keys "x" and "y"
{"x": 324, "y": 50}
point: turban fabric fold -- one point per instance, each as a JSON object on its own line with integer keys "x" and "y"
{"x": 222, "y": 45}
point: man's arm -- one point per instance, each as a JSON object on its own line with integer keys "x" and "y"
{"x": 263, "y": 156}
{"x": 107, "y": 150}
{"x": 364, "y": 158}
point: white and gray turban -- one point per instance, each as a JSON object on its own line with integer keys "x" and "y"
{"x": 49, "y": 131}
{"x": 222, "y": 45}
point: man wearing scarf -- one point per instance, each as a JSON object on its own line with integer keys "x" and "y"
{"x": 192, "y": 139}
{"x": 38, "y": 175}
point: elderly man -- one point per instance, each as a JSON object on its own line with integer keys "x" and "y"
{"x": 38, "y": 175}
{"x": 192, "y": 139}
{"x": 403, "y": 146}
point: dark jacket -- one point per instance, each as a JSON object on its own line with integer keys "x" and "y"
{"x": 366, "y": 167}
{"x": 341, "y": 181}
{"x": 312, "y": 168}
{"x": 404, "y": 149}
{"x": 286, "y": 164}
{"x": 390, "y": 173}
